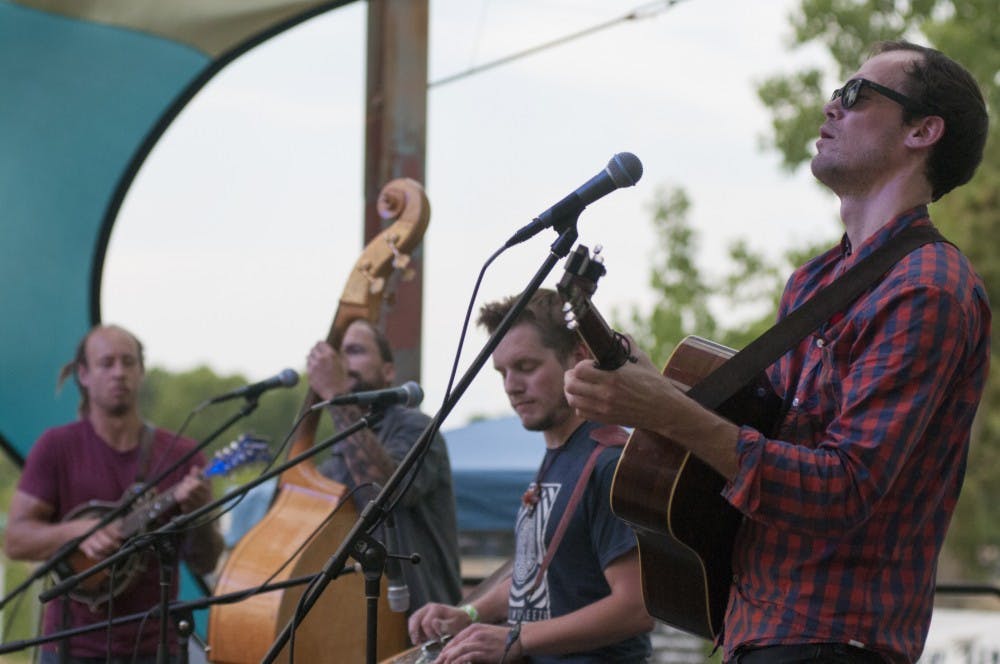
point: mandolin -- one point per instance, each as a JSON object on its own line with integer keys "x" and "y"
{"x": 673, "y": 501}
{"x": 149, "y": 510}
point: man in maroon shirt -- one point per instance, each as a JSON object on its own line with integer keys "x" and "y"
{"x": 99, "y": 457}
{"x": 847, "y": 505}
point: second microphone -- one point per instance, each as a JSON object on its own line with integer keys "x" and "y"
{"x": 408, "y": 394}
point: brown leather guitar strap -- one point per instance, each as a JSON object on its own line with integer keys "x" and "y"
{"x": 145, "y": 454}
{"x": 605, "y": 437}
{"x": 765, "y": 350}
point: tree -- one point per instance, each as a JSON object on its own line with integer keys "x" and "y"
{"x": 686, "y": 297}
{"x": 968, "y": 31}
{"x": 169, "y": 399}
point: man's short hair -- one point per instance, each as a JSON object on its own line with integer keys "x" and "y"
{"x": 543, "y": 312}
{"x": 381, "y": 341}
{"x": 945, "y": 87}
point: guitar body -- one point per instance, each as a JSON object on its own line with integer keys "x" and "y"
{"x": 98, "y": 588}
{"x": 673, "y": 501}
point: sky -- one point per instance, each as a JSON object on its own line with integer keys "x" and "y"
{"x": 236, "y": 238}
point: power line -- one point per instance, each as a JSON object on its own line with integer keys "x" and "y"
{"x": 644, "y": 11}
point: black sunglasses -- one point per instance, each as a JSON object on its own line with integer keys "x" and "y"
{"x": 849, "y": 96}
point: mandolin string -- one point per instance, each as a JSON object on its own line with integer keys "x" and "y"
{"x": 229, "y": 507}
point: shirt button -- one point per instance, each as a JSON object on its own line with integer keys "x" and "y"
{"x": 820, "y": 343}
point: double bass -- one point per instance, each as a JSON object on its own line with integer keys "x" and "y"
{"x": 335, "y": 626}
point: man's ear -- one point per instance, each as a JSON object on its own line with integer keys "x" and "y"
{"x": 82, "y": 374}
{"x": 580, "y": 352}
{"x": 389, "y": 373}
{"x": 925, "y": 132}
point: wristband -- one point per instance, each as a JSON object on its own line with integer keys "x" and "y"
{"x": 512, "y": 637}
{"x": 470, "y": 611}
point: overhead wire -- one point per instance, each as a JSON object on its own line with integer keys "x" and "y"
{"x": 647, "y": 10}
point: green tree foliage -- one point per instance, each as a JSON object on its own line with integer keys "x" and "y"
{"x": 686, "y": 298}
{"x": 169, "y": 399}
{"x": 968, "y": 31}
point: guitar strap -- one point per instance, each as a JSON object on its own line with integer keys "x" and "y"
{"x": 145, "y": 454}
{"x": 605, "y": 437}
{"x": 728, "y": 379}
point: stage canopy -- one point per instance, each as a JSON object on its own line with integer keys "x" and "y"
{"x": 88, "y": 88}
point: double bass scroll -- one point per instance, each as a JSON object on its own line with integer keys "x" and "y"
{"x": 244, "y": 632}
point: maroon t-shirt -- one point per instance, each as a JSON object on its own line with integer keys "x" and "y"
{"x": 71, "y": 465}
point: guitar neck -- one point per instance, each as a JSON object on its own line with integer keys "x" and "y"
{"x": 576, "y": 287}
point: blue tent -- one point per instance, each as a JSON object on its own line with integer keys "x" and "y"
{"x": 492, "y": 461}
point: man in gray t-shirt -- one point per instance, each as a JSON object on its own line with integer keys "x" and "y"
{"x": 425, "y": 516}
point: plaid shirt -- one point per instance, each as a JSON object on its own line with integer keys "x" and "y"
{"x": 848, "y": 506}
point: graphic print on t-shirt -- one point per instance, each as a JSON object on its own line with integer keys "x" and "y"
{"x": 529, "y": 531}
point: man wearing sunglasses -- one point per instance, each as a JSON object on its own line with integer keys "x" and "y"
{"x": 846, "y": 502}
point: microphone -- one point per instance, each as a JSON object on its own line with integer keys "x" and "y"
{"x": 397, "y": 592}
{"x": 286, "y": 378}
{"x": 408, "y": 394}
{"x": 624, "y": 170}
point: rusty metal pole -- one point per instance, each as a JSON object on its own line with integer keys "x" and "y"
{"x": 395, "y": 144}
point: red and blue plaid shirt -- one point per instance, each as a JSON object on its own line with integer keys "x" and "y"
{"x": 848, "y": 505}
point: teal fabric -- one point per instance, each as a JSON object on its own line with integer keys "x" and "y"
{"x": 76, "y": 101}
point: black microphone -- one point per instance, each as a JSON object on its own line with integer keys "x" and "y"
{"x": 408, "y": 394}
{"x": 286, "y": 378}
{"x": 624, "y": 170}
{"x": 397, "y": 592}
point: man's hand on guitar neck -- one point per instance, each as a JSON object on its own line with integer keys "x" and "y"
{"x": 193, "y": 491}
{"x": 638, "y": 395}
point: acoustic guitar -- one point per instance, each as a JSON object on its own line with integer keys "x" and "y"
{"x": 148, "y": 511}
{"x": 673, "y": 501}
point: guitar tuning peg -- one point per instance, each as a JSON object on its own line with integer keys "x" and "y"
{"x": 567, "y": 307}
{"x": 572, "y": 325}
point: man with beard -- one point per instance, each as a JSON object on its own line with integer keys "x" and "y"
{"x": 424, "y": 519}
{"x": 847, "y": 500}
{"x": 98, "y": 458}
{"x": 574, "y": 593}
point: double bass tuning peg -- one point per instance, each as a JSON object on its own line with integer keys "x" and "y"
{"x": 400, "y": 261}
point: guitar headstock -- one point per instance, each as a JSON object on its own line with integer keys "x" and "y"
{"x": 241, "y": 452}
{"x": 577, "y": 286}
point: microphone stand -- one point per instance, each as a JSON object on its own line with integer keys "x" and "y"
{"x": 59, "y": 557}
{"x": 358, "y": 540}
